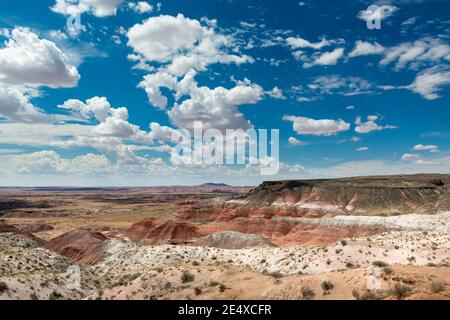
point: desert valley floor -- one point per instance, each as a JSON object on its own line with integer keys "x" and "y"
{"x": 356, "y": 238}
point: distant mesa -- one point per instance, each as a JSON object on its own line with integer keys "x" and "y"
{"x": 211, "y": 184}
{"x": 381, "y": 195}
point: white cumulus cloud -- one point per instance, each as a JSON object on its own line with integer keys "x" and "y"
{"x": 99, "y": 8}
{"x": 322, "y": 127}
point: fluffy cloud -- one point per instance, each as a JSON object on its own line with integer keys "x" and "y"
{"x": 28, "y": 60}
{"x": 216, "y": 108}
{"x": 182, "y": 47}
{"x": 336, "y": 84}
{"x": 317, "y": 58}
{"x": 184, "y": 41}
{"x": 26, "y": 64}
{"x": 140, "y": 7}
{"x": 300, "y": 43}
{"x": 15, "y": 106}
{"x": 50, "y": 163}
{"x": 409, "y": 157}
{"x": 432, "y": 148}
{"x": 99, "y": 8}
{"x": 100, "y": 108}
{"x": 362, "y": 149}
{"x": 294, "y": 141}
{"x": 363, "y": 48}
{"x": 323, "y": 127}
{"x": 370, "y": 125}
{"x": 152, "y": 84}
{"x": 417, "y": 53}
{"x": 326, "y": 58}
{"x": 113, "y": 121}
{"x": 415, "y": 160}
{"x": 429, "y": 82}
{"x": 163, "y": 133}
{"x": 276, "y": 93}
{"x": 44, "y": 162}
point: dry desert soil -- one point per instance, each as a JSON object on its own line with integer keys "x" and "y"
{"x": 367, "y": 238}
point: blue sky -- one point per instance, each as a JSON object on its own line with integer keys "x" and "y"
{"x": 76, "y": 104}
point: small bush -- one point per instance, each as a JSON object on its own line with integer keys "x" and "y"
{"x": 437, "y": 286}
{"x": 276, "y": 275}
{"x": 55, "y": 295}
{"x": 379, "y": 264}
{"x": 222, "y": 288}
{"x": 369, "y": 295}
{"x": 388, "y": 270}
{"x": 344, "y": 242}
{"x": 307, "y": 293}
{"x": 195, "y": 263}
{"x": 401, "y": 291}
{"x": 187, "y": 276}
{"x": 197, "y": 291}
{"x": 3, "y": 287}
{"x": 213, "y": 283}
{"x": 327, "y": 286}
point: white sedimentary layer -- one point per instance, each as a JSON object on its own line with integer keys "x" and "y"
{"x": 436, "y": 222}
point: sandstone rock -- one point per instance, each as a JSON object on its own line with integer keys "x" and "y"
{"x": 151, "y": 231}
{"x": 77, "y": 244}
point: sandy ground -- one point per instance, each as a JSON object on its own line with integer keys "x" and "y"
{"x": 418, "y": 248}
{"x": 231, "y": 283}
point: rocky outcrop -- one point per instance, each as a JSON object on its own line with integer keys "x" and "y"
{"x": 142, "y": 229}
{"x": 77, "y": 244}
{"x": 384, "y": 195}
{"x": 233, "y": 240}
{"x": 6, "y": 228}
{"x": 33, "y": 227}
{"x": 151, "y": 231}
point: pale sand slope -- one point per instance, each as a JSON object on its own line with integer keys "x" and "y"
{"x": 32, "y": 272}
{"x": 222, "y": 282}
{"x": 400, "y": 247}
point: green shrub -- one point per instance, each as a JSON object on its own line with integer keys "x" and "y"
{"x": 277, "y": 274}
{"x": 327, "y": 286}
{"x": 388, "y": 270}
{"x": 307, "y": 293}
{"x": 197, "y": 291}
{"x": 187, "y": 276}
{"x": 369, "y": 295}
{"x": 379, "y": 264}
{"x": 3, "y": 287}
{"x": 401, "y": 291}
{"x": 437, "y": 286}
{"x": 55, "y": 295}
{"x": 213, "y": 283}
